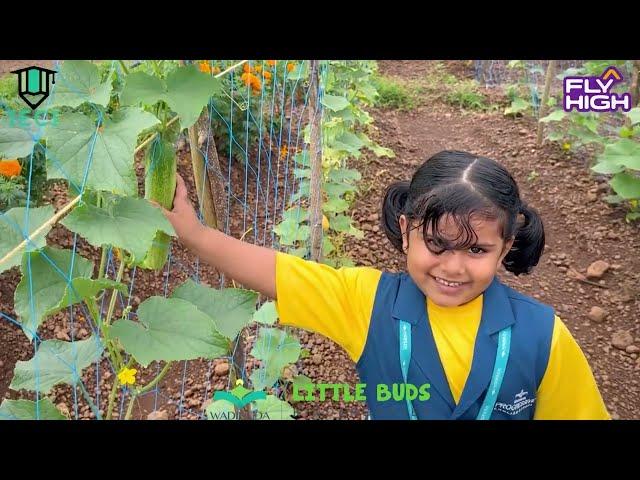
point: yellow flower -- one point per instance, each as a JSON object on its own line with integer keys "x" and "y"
{"x": 325, "y": 223}
{"x": 127, "y": 376}
{"x": 10, "y": 168}
{"x": 566, "y": 146}
{"x": 257, "y": 68}
{"x": 205, "y": 67}
{"x": 271, "y": 63}
{"x": 290, "y": 66}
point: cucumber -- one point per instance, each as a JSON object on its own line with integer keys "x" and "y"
{"x": 160, "y": 185}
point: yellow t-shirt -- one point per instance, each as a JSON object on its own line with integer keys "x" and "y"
{"x": 337, "y": 303}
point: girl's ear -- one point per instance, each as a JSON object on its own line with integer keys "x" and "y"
{"x": 404, "y": 223}
{"x": 506, "y": 249}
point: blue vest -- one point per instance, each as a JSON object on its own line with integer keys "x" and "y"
{"x": 399, "y": 298}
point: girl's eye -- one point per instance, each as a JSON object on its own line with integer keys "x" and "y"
{"x": 481, "y": 250}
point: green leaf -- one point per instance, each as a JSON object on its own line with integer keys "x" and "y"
{"x": 625, "y": 152}
{"x": 300, "y": 72}
{"x": 327, "y": 246}
{"x": 340, "y": 223}
{"x": 265, "y": 377}
{"x": 625, "y": 185}
{"x": 303, "y": 191}
{"x": 304, "y": 353}
{"x": 29, "y": 410}
{"x": 626, "y": 132}
{"x": 296, "y": 214}
{"x": 189, "y": 91}
{"x": 77, "y": 82}
{"x": 615, "y": 199}
{"x": 302, "y": 381}
{"x": 291, "y": 231}
{"x": 634, "y": 115}
{"x": 221, "y": 410}
{"x": 302, "y": 173}
{"x": 380, "y": 151}
{"x": 607, "y": 168}
{"x": 518, "y": 105}
{"x": 338, "y": 189}
{"x": 81, "y": 289}
{"x": 170, "y": 329}
{"x": 267, "y": 314}
{"x": 555, "y": 136}
{"x": 140, "y": 87}
{"x": 231, "y": 309}
{"x": 111, "y": 164}
{"x": 344, "y": 175}
{"x": 359, "y": 234}
{"x": 12, "y": 226}
{"x": 275, "y": 348}
{"x": 334, "y": 103}
{"x": 44, "y": 283}
{"x": 631, "y": 216}
{"x": 272, "y": 408}
{"x": 15, "y": 142}
{"x": 128, "y": 223}
{"x": 54, "y": 363}
{"x": 349, "y": 142}
{"x": 335, "y": 205}
{"x": 554, "y": 116}
{"x": 585, "y": 135}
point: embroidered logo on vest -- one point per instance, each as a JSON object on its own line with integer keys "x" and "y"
{"x": 521, "y": 402}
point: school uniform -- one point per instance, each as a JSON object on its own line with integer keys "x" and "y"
{"x": 453, "y": 352}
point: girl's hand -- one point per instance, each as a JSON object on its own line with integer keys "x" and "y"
{"x": 183, "y": 217}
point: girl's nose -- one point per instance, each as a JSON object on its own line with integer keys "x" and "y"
{"x": 452, "y": 264}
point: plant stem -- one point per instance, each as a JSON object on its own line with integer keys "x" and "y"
{"x": 153, "y": 382}
{"x": 112, "y": 397}
{"x": 112, "y": 303}
{"x": 86, "y": 396}
{"x": 124, "y": 67}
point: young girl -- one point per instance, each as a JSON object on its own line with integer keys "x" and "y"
{"x": 447, "y": 340}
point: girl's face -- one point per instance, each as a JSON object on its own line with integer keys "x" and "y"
{"x": 454, "y": 277}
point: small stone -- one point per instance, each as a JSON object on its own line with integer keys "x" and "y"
{"x": 316, "y": 359}
{"x": 632, "y": 349}
{"x": 597, "y": 269}
{"x": 621, "y": 339}
{"x": 221, "y": 369}
{"x": 597, "y": 314}
{"x": 158, "y": 415}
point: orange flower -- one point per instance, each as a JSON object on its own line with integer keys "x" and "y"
{"x": 205, "y": 67}
{"x": 258, "y": 68}
{"x": 246, "y": 68}
{"x": 256, "y": 84}
{"x": 267, "y": 75}
{"x": 215, "y": 70}
{"x": 10, "y": 168}
{"x": 290, "y": 66}
{"x": 246, "y": 78}
{"x": 271, "y": 63}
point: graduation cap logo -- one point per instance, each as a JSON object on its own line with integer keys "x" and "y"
{"x": 33, "y": 84}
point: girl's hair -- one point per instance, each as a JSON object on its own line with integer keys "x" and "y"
{"x": 465, "y": 185}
